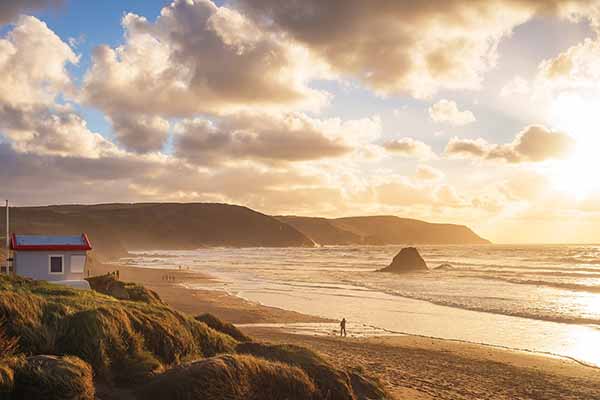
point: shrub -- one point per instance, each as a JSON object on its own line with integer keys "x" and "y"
{"x": 224, "y": 327}
{"x": 231, "y": 377}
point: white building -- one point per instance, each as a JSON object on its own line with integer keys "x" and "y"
{"x": 51, "y": 258}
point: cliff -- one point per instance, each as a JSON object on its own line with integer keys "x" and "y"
{"x": 381, "y": 230}
{"x": 321, "y": 230}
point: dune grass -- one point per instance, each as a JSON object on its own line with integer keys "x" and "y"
{"x": 52, "y": 378}
{"x": 332, "y": 383}
{"x": 110, "y": 286}
{"x": 56, "y": 338}
{"x": 231, "y": 377}
{"x": 124, "y": 341}
{"x": 223, "y": 327}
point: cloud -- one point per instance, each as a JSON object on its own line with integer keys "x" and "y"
{"x": 52, "y": 131}
{"x": 10, "y": 9}
{"x": 417, "y": 47}
{"x": 140, "y": 133}
{"x": 577, "y": 67}
{"x": 410, "y": 147}
{"x": 535, "y": 143}
{"x": 200, "y": 58}
{"x": 33, "y": 62}
{"x": 446, "y": 111}
{"x": 33, "y": 66}
{"x": 271, "y": 137}
{"x": 428, "y": 173}
{"x": 516, "y": 86}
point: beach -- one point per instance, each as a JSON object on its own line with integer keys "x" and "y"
{"x": 410, "y": 366}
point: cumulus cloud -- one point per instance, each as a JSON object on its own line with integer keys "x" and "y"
{"x": 52, "y": 131}
{"x": 415, "y": 47}
{"x": 428, "y": 173}
{"x": 409, "y": 147}
{"x": 10, "y": 9}
{"x": 446, "y": 111}
{"x": 577, "y": 67}
{"x": 140, "y": 133}
{"x": 33, "y": 62}
{"x": 197, "y": 58}
{"x": 535, "y": 143}
{"x": 272, "y": 137}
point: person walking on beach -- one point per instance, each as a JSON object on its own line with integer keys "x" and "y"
{"x": 343, "y": 327}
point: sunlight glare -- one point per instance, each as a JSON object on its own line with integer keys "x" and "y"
{"x": 580, "y": 119}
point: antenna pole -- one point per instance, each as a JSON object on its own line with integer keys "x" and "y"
{"x": 7, "y": 229}
{"x": 7, "y": 240}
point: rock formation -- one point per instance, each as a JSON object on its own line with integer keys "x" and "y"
{"x": 407, "y": 260}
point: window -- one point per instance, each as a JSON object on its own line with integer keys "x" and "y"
{"x": 56, "y": 265}
{"x": 77, "y": 263}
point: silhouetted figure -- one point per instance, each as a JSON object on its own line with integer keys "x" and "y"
{"x": 343, "y": 327}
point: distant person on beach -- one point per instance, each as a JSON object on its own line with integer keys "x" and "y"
{"x": 343, "y": 327}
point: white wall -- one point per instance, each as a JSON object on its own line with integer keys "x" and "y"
{"x": 36, "y": 265}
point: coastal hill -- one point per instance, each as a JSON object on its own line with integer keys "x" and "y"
{"x": 322, "y": 231}
{"x": 116, "y": 228}
{"x": 381, "y": 230}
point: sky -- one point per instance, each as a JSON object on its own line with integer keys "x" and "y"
{"x": 476, "y": 113}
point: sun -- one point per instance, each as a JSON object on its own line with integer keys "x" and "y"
{"x": 580, "y": 119}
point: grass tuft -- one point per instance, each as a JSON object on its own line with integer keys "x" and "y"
{"x": 124, "y": 341}
{"x": 223, "y": 327}
{"x": 52, "y": 378}
{"x": 231, "y": 377}
{"x": 331, "y": 382}
{"x": 108, "y": 285}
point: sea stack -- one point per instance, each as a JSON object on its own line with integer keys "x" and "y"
{"x": 407, "y": 260}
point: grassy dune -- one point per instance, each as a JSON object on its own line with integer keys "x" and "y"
{"x": 56, "y": 341}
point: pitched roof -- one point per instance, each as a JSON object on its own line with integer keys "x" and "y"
{"x": 35, "y": 242}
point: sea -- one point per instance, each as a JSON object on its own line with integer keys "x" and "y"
{"x": 538, "y": 298}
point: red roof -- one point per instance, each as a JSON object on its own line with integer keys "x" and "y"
{"x": 41, "y": 243}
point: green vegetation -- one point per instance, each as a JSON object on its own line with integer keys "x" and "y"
{"x": 123, "y": 340}
{"x": 223, "y": 327}
{"x": 54, "y": 339}
{"x": 51, "y": 378}
{"x": 331, "y": 382}
{"x": 110, "y": 286}
{"x": 232, "y": 377}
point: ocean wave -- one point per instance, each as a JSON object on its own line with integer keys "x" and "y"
{"x": 500, "y": 311}
{"x": 558, "y": 285}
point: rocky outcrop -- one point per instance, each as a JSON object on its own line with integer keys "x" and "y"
{"x": 407, "y": 260}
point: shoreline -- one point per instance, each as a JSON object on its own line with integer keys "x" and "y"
{"x": 410, "y": 366}
{"x": 198, "y": 301}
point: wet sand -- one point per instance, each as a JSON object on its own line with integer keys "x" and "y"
{"x": 411, "y": 367}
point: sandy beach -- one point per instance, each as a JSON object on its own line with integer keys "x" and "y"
{"x": 411, "y": 367}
